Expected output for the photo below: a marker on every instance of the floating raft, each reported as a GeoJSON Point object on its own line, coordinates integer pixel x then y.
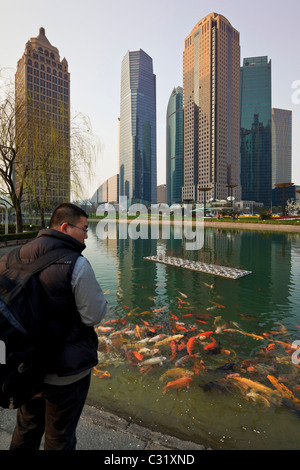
{"type": "Point", "coordinates": [223, 271]}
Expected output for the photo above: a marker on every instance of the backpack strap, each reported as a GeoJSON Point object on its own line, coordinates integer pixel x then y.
{"type": "Point", "coordinates": [14, 261]}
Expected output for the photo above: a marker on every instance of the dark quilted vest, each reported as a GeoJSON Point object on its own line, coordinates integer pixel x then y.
{"type": "Point", "coordinates": [72, 345]}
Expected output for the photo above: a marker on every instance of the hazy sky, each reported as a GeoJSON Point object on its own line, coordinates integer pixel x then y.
{"type": "Point", "coordinates": [94, 36]}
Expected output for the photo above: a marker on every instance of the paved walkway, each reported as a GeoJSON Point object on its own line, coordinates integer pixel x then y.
{"type": "Point", "coordinates": [101, 430]}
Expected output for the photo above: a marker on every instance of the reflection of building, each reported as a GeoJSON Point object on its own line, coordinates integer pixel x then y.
{"type": "Point", "coordinates": [211, 109]}
{"type": "Point", "coordinates": [138, 129]}
{"type": "Point", "coordinates": [174, 138]}
{"type": "Point", "coordinates": [290, 193]}
{"type": "Point", "coordinates": [108, 191]}
{"type": "Point", "coordinates": [281, 146]}
{"type": "Point", "coordinates": [256, 147]}
{"type": "Point", "coordinates": [42, 85]}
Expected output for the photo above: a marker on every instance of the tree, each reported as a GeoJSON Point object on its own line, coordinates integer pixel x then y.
{"type": "Point", "coordinates": [10, 149]}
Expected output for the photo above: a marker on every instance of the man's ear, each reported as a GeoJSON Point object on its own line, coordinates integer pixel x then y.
{"type": "Point", "coordinates": [63, 227]}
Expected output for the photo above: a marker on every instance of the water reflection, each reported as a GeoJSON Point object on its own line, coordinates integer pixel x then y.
{"type": "Point", "coordinates": [257, 304]}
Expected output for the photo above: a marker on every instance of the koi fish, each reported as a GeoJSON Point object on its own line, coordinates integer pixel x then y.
{"type": "Point", "coordinates": [103, 329]}
{"type": "Point", "coordinates": [168, 340]}
{"type": "Point", "coordinates": [173, 350]}
{"type": "Point", "coordinates": [179, 383]}
{"type": "Point", "coordinates": [190, 344]}
{"type": "Point", "coordinates": [211, 345]}
{"type": "Point", "coordinates": [176, 373]}
{"type": "Point", "coordinates": [103, 343]}
{"type": "Point", "coordinates": [208, 285]}
{"type": "Point", "coordinates": [217, 305]}
{"type": "Point", "coordinates": [159, 309]}
{"type": "Point", "coordinates": [254, 385]}
{"type": "Point", "coordinates": [154, 360]}
{"type": "Point", "coordinates": [232, 330]}
{"type": "Point", "coordinates": [282, 389]}
{"type": "Point", "coordinates": [174, 316]}
{"type": "Point", "coordinates": [256, 397]}
{"type": "Point", "coordinates": [286, 345]}
{"type": "Point", "coordinates": [101, 374]}
{"type": "Point", "coordinates": [182, 294]}
{"type": "Point", "coordinates": [184, 359]}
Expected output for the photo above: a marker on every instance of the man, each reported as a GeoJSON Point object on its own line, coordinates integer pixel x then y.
{"type": "Point", "coordinates": [74, 305]}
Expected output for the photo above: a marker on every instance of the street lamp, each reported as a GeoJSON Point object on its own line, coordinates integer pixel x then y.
{"type": "Point", "coordinates": [204, 190]}
{"type": "Point", "coordinates": [283, 186]}
{"type": "Point", "coordinates": [230, 187]}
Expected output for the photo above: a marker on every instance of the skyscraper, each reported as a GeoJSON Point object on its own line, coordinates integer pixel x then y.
{"type": "Point", "coordinates": [138, 129]}
{"type": "Point", "coordinates": [42, 85]}
{"type": "Point", "coordinates": [281, 146]}
{"type": "Point", "coordinates": [256, 144]}
{"type": "Point", "coordinates": [174, 150]}
{"type": "Point", "coordinates": [211, 110]}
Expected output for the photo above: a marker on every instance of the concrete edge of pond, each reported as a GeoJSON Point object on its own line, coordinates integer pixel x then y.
{"type": "Point", "coordinates": [102, 430]}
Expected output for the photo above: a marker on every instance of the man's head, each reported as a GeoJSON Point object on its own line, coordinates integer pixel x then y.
{"type": "Point", "coordinates": [71, 220]}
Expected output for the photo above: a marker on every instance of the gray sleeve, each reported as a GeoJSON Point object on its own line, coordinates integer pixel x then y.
{"type": "Point", "coordinates": [89, 298]}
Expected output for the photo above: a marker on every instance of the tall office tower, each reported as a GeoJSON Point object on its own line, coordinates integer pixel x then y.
{"type": "Point", "coordinates": [138, 129]}
{"type": "Point", "coordinates": [281, 146]}
{"type": "Point", "coordinates": [256, 145]}
{"type": "Point", "coordinates": [174, 150]}
{"type": "Point", "coordinates": [211, 64]}
{"type": "Point", "coordinates": [42, 86]}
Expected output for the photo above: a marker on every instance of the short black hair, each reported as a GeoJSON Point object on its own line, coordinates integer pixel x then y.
{"type": "Point", "coordinates": [66, 212]}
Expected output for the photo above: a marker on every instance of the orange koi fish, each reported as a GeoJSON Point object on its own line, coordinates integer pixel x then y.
{"type": "Point", "coordinates": [205, 334]}
{"type": "Point", "coordinates": [110, 322]}
{"type": "Point", "coordinates": [173, 350]}
{"type": "Point", "coordinates": [190, 344]}
{"type": "Point", "coordinates": [179, 383]}
{"type": "Point", "coordinates": [174, 316]}
{"type": "Point", "coordinates": [100, 374]}
{"type": "Point", "coordinates": [159, 309]}
{"type": "Point", "coordinates": [217, 305]}
{"type": "Point", "coordinates": [211, 345]}
{"type": "Point", "coordinates": [285, 345]}
{"type": "Point", "coordinates": [103, 329]}
{"type": "Point", "coordinates": [282, 389]}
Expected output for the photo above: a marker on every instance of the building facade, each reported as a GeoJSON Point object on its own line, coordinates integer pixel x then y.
{"type": "Point", "coordinates": [137, 147]}
{"type": "Point", "coordinates": [42, 90]}
{"type": "Point", "coordinates": [107, 192]}
{"type": "Point", "coordinates": [256, 142]}
{"type": "Point", "coordinates": [281, 146]}
{"type": "Point", "coordinates": [174, 147]}
{"type": "Point", "coordinates": [211, 64]}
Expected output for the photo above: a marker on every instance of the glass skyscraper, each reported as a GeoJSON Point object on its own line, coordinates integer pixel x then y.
{"type": "Point", "coordinates": [137, 145]}
{"type": "Point", "coordinates": [256, 142]}
{"type": "Point", "coordinates": [174, 150]}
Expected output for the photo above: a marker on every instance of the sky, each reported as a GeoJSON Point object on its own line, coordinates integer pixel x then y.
{"type": "Point", "coordinates": [95, 35]}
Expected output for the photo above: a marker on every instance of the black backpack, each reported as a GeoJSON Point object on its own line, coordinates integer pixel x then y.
{"type": "Point", "coordinates": [22, 328]}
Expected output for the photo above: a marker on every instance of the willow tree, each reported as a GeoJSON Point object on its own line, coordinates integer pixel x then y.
{"type": "Point", "coordinates": [61, 157]}
{"type": "Point", "coordinates": [10, 151]}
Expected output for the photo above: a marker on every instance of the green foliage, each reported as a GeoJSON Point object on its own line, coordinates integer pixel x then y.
{"type": "Point", "coordinates": [265, 215]}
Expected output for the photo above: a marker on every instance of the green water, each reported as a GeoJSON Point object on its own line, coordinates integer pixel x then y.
{"type": "Point", "coordinates": [265, 301]}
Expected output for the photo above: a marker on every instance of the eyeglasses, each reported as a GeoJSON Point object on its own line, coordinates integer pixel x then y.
{"type": "Point", "coordinates": [83, 229]}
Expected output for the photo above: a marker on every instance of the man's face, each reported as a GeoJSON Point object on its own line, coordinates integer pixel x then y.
{"type": "Point", "coordinates": [78, 230]}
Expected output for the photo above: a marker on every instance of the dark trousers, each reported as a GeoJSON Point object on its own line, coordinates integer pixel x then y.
{"type": "Point", "coordinates": [55, 412]}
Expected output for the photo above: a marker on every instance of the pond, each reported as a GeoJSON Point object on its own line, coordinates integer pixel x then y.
{"type": "Point", "coordinates": [239, 382]}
